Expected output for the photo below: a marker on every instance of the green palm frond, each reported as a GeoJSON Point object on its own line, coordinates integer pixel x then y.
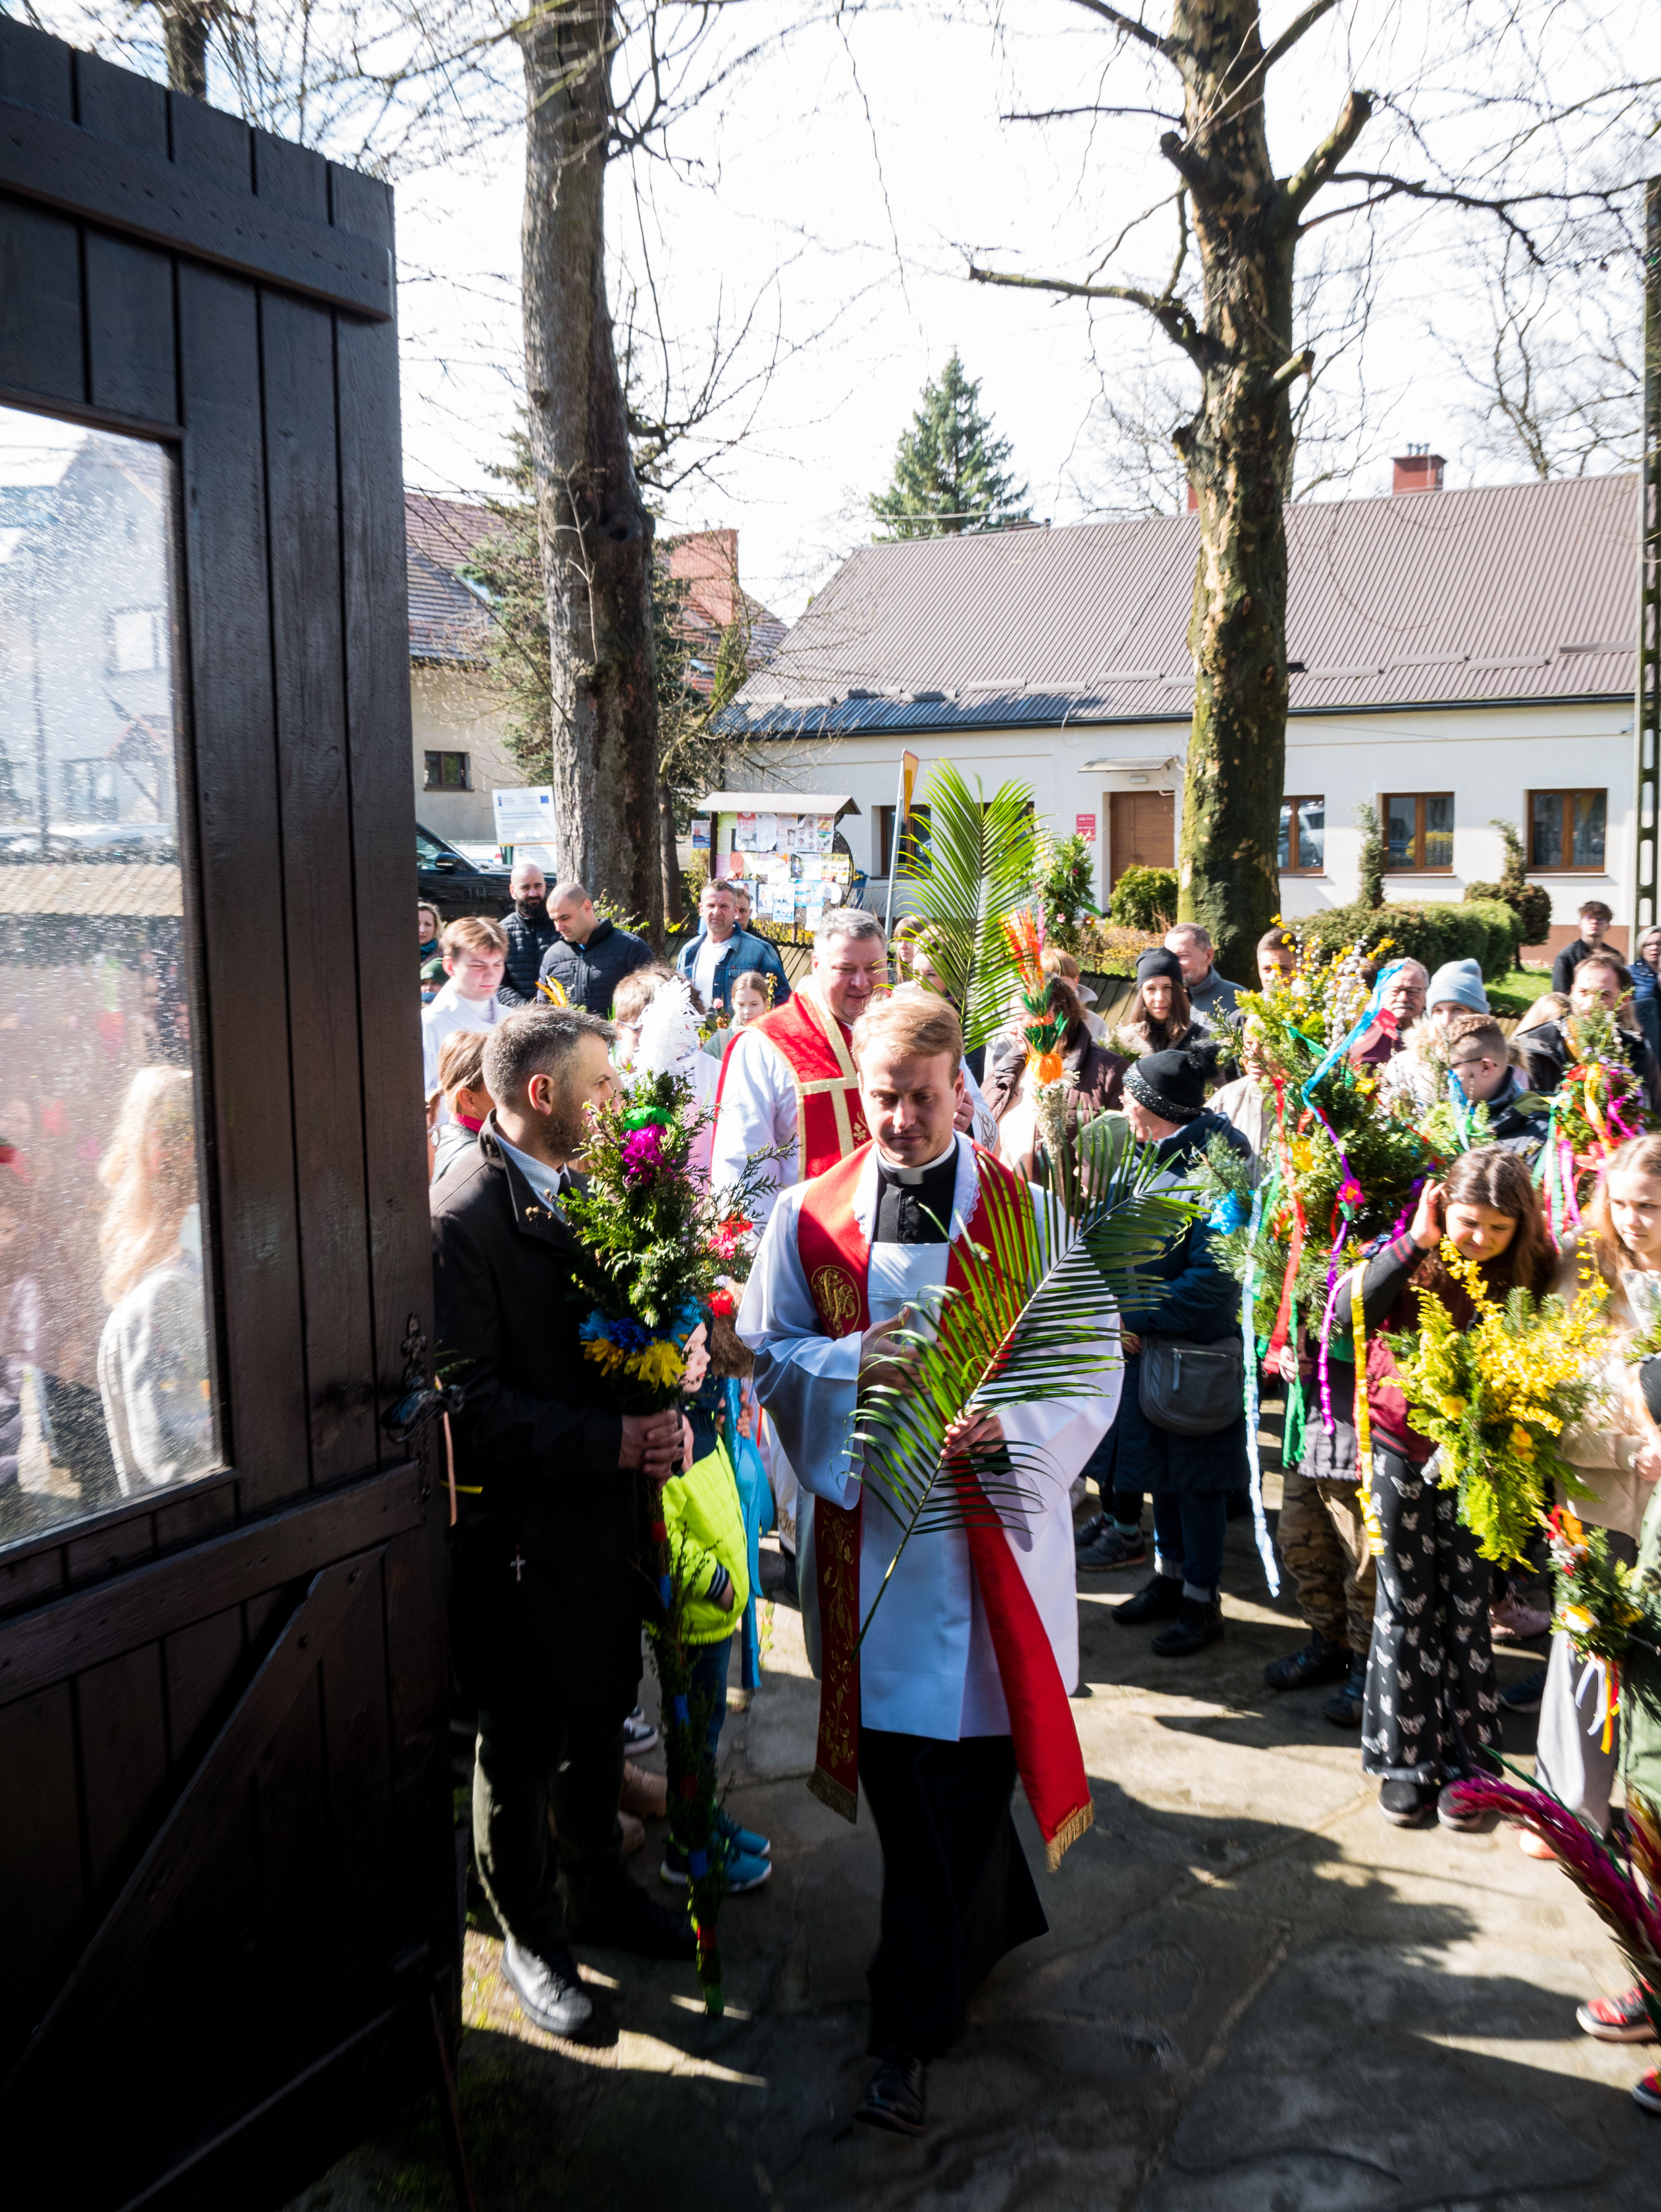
{"type": "Point", "coordinates": [977, 866]}
{"type": "Point", "coordinates": [1035, 1321]}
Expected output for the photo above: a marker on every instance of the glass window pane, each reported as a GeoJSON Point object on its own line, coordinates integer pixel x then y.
{"type": "Point", "coordinates": [1311, 834]}
{"type": "Point", "coordinates": [1587, 851]}
{"type": "Point", "coordinates": [1401, 828]}
{"type": "Point", "coordinates": [1283, 845]}
{"type": "Point", "coordinates": [1546, 830]}
{"type": "Point", "coordinates": [1438, 830]}
{"type": "Point", "coordinates": [105, 1388]}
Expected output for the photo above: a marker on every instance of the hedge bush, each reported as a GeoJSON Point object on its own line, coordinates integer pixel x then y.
{"type": "Point", "coordinates": [1144, 899]}
{"type": "Point", "coordinates": [1486, 931]}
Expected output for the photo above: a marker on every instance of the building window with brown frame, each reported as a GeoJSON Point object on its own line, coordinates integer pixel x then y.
{"type": "Point", "coordinates": [1567, 831]}
{"type": "Point", "coordinates": [913, 845]}
{"type": "Point", "coordinates": [1418, 829]}
{"type": "Point", "coordinates": [449, 772]}
{"type": "Point", "coordinates": [1303, 843]}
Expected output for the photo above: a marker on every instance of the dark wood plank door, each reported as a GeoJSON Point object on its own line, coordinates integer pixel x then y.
{"type": "Point", "coordinates": [227, 1859]}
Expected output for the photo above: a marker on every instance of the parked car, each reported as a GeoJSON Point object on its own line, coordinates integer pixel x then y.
{"type": "Point", "coordinates": [448, 879]}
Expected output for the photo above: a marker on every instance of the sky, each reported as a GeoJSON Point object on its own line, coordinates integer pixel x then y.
{"type": "Point", "coordinates": [833, 192]}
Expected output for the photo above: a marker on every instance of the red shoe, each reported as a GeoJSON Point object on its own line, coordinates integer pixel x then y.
{"type": "Point", "coordinates": [1647, 2092]}
{"type": "Point", "coordinates": [1618, 2020]}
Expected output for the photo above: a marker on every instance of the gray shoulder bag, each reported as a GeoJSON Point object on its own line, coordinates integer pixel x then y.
{"type": "Point", "coordinates": [1191, 1389]}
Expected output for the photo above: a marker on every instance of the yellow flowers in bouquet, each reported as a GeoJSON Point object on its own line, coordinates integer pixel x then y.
{"type": "Point", "coordinates": [1494, 1398]}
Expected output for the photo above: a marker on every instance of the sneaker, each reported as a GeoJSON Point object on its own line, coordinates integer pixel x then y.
{"type": "Point", "coordinates": [1617, 2020]}
{"type": "Point", "coordinates": [742, 1870]}
{"type": "Point", "coordinates": [897, 2098]}
{"type": "Point", "coordinates": [1159, 1598]}
{"type": "Point", "coordinates": [1406, 1804]}
{"type": "Point", "coordinates": [741, 1839]}
{"type": "Point", "coordinates": [1111, 1548]}
{"type": "Point", "coordinates": [1199, 1621]}
{"type": "Point", "coordinates": [1088, 1531]}
{"type": "Point", "coordinates": [1344, 1707]}
{"type": "Point", "coordinates": [1524, 1697]}
{"type": "Point", "coordinates": [646, 1796]}
{"type": "Point", "coordinates": [638, 1733]}
{"type": "Point", "coordinates": [1317, 1661]}
{"type": "Point", "coordinates": [1510, 1621]}
{"type": "Point", "coordinates": [548, 1988]}
{"type": "Point", "coordinates": [1453, 1812]}
{"type": "Point", "coordinates": [1647, 2092]}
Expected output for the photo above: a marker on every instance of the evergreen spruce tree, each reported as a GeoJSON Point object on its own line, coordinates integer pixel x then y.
{"type": "Point", "coordinates": [949, 468]}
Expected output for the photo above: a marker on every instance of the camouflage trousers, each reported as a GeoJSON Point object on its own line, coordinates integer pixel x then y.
{"type": "Point", "coordinates": [1431, 1698]}
{"type": "Point", "coordinates": [1325, 1546]}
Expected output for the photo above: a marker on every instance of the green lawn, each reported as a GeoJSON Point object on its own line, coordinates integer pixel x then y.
{"type": "Point", "coordinates": [1513, 997]}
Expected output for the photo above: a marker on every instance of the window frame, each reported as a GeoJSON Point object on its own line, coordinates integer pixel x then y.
{"type": "Point", "coordinates": [1290, 804]}
{"type": "Point", "coordinates": [441, 755]}
{"type": "Point", "coordinates": [887, 823]}
{"type": "Point", "coordinates": [1418, 865]}
{"type": "Point", "coordinates": [1567, 792]}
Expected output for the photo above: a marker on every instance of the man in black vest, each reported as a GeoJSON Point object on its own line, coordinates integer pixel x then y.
{"type": "Point", "coordinates": [549, 1589]}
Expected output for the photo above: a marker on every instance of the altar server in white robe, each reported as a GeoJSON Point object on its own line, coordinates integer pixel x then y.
{"type": "Point", "coordinates": [963, 1678]}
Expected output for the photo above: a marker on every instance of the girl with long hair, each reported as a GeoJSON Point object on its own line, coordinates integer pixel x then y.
{"type": "Point", "coordinates": [1160, 1018]}
{"type": "Point", "coordinates": [1431, 1713]}
{"type": "Point", "coordinates": [153, 1354]}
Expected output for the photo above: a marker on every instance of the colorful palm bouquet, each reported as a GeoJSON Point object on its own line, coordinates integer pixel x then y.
{"type": "Point", "coordinates": [1496, 1398]}
{"type": "Point", "coordinates": [1603, 1605]}
{"type": "Point", "coordinates": [1618, 1876]}
{"type": "Point", "coordinates": [1597, 1106]}
{"type": "Point", "coordinates": [653, 1252]}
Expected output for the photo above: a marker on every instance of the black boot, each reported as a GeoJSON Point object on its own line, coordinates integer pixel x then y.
{"type": "Point", "coordinates": [1159, 1598]}
{"type": "Point", "coordinates": [1199, 1621]}
{"type": "Point", "coordinates": [1343, 1708]}
{"type": "Point", "coordinates": [897, 2098]}
{"type": "Point", "coordinates": [1317, 1661]}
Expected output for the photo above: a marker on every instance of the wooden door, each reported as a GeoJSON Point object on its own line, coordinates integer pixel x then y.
{"type": "Point", "coordinates": [1142, 829]}
{"type": "Point", "coordinates": [228, 1892]}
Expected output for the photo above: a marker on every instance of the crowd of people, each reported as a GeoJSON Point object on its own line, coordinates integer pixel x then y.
{"type": "Point", "coordinates": [853, 1091]}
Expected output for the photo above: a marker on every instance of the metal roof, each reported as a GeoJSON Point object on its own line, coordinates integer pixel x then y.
{"type": "Point", "coordinates": [143, 887]}
{"type": "Point", "coordinates": [1511, 592]}
{"type": "Point", "coordinates": [776, 802]}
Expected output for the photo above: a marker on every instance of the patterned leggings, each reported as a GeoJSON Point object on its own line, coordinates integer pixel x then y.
{"type": "Point", "coordinates": [1431, 1694]}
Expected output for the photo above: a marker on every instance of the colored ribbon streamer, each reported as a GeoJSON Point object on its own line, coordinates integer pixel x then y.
{"type": "Point", "coordinates": [1249, 1333]}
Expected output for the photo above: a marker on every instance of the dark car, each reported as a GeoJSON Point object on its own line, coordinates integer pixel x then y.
{"type": "Point", "coordinates": [455, 885]}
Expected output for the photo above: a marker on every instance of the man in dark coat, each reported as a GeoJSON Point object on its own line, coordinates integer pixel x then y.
{"type": "Point", "coordinates": [1188, 1295]}
{"type": "Point", "coordinates": [590, 956]}
{"type": "Point", "coordinates": [548, 1589]}
{"type": "Point", "coordinates": [1600, 980]}
{"type": "Point", "coordinates": [530, 932]}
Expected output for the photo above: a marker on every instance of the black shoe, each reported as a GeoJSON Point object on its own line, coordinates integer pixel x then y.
{"type": "Point", "coordinates": [1406, 1804]}
{"type": "Point", "coordinates": [1470, 1819]}
{"type": "Point", "coordinates": [548, 1986]}
{"type": "Point", "coordinates": [1345, 1706]}
{"type": "Point", "coordinates": [1111, 1550]}
{"type": "Point", "coordinates": [1199, 1621]}
{"type": "Point", "coordinates": [1524, 1697]}
{"type": "Point", "coordinates": [631, 1921]}
{"type": "Point", "coordinates": [1088, 1531]}
{"type": "Point", "coordinates": [1160, 1597]}
{"type": "Point", "coordinates": [1317, 1661]}
{"type": "Point", "coordinates": [897, 2098]}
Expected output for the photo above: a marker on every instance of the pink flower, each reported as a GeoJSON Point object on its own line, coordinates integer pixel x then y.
{"type": "Point", "coordinates": [642, 1153]}
{"type": "Point", "coordinates": [1350, 1193]}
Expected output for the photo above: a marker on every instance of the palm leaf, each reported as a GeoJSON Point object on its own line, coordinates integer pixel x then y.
{"type": "Point", "coordinates": [1036, 1321]}
{"type": "Point", "coordinates": [977, 866]}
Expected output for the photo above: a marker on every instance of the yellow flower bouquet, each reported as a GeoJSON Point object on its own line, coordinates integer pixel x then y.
{"type": "Point", "coordinates": [1496, 1397]}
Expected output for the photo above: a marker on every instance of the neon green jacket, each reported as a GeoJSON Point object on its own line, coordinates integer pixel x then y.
{"type": "Point", "coordinates": [705, 1521]}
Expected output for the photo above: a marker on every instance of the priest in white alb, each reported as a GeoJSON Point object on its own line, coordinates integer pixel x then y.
{"type": "Point", "coordinates": [963, 1681]}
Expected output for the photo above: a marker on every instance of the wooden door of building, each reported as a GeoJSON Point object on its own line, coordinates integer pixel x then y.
{"type": "Point", "coordinates": [1142, 831]}
{"type": "Point", "coordinates": [227, 1897]}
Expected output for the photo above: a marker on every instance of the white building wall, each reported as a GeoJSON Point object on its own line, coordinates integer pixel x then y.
{"type": "Point", "coordinates": [452, 710]}
{"type": "Point", "coordinates": [1490, 758]}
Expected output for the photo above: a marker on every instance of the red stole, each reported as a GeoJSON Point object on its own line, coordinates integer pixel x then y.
{"type": "Point", "coordinates": [837, 1260]}
{"type": "Point", "coordinates": [830, 1121]}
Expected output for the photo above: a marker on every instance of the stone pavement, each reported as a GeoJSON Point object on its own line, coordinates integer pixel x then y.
{"type": "Point", "coordinates": [1254, 1996]}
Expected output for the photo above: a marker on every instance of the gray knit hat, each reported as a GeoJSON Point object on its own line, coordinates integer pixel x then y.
{"type": "Point", "coordinates": [1462, 982]}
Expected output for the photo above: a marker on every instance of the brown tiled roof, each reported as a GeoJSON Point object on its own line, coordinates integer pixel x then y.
{"type": "Point", "coordinates": [1514, 592]}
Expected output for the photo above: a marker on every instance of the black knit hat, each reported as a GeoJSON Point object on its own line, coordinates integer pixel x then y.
{"type": "Point", "coordinates": [1649, 1381]}
{"type": "Point", "coordinates": [1170, 1083]}
{"type": "Point", "coordinates": [1159, 961]}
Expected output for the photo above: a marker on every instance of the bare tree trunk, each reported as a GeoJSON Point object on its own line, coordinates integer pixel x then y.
{"type": "Point", "coordinates": [185, 27]}
{"type": "Point", "coordinates": [1238, 453]}
{"type": "Point", "coordinates": [595, 530]}
{"type": "Point", "coordinates": [674, 909]}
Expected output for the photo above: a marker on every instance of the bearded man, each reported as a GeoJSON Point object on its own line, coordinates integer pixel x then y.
{"type": "Point", "coordinates": [531, 931]}
{"type": "Point", "coordinates": [963, 1678]}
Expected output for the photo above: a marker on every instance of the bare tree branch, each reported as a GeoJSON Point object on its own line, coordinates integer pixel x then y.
{"type": "Point", "coordinates": [1128, 24]}
{"type": "Point", "coordinates": [1319, 171]}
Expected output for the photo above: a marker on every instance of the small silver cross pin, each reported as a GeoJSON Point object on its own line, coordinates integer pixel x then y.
{"type": "Point", "coordinates": [518, 1566]}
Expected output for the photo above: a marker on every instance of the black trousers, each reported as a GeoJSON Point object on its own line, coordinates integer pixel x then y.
{"type": "Point", "coordinates": [529, 1764]}
{"type": "Point", "coordinates": [1431, 1697]}
{"type": "Point", "coordinates": [956, 1891]}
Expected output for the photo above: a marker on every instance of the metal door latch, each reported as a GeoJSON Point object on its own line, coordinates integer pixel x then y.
{"type": "Point", "coordinates": [422, 1401]}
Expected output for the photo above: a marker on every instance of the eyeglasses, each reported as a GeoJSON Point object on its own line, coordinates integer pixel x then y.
{"type": "Point", "coordinates": [1481, 1061]}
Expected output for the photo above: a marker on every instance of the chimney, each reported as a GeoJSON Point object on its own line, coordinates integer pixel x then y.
{"type": "Point", "coordinates": [1193, 501]}
{"type": "Point", "coordinates": [1418, 470]}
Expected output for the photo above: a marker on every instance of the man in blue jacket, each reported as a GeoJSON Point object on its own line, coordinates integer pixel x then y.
{"type": "Point", "coordinates": [722, 951]}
